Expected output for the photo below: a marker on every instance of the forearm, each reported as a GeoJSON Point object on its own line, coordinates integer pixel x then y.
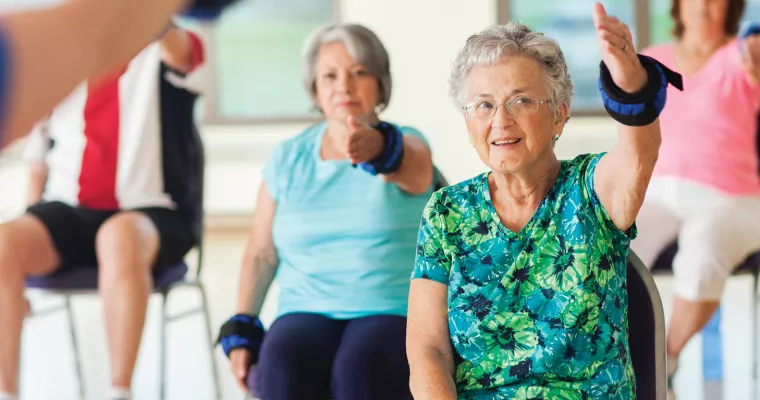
{"type": "Point", "coordinates": [415, 175]}
{"type": "Point", "coordinates": [431, 376]}
{"type": "Point", "coordinates": [256, 276]}
{"type": "Point", "coordinates": [640, 146]}
{"type": "Point", "coordinates": [54, 49]}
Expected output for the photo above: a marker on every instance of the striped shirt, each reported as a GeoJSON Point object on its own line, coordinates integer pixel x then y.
{"type": "Point", "coordinates": [122, 141]}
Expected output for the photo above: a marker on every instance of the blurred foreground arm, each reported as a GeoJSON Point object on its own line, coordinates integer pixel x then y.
{"type": "Point", "coordinates": [47, 52]}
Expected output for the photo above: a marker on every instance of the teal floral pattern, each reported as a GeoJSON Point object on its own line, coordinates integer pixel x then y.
{"type": "Point", "coordinates": [537, 314]}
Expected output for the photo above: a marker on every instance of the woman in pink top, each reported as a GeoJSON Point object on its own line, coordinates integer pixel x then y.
{"type": "Point", "coordinates": [705, 189]}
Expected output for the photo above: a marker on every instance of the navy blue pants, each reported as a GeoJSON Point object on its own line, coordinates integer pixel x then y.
{"type": "Point", "coordinates": [312, 357]}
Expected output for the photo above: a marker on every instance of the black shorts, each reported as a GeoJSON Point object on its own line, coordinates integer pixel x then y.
{"type": "Point", "coordinates": [74, 229]}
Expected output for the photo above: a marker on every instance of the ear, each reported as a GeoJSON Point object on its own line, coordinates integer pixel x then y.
{"type": "Point", "coordinates": [563, 112]}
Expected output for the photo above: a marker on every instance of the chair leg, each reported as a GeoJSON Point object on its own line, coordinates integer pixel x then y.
{"type": "Point", "coordinates": [211, 344]}
{"type": "Point", "coordinates": [74, 346]}
{"type": "Point", "coordinates": [162, 347]}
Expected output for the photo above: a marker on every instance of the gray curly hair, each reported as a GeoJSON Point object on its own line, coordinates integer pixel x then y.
{"type": "Point", "coordinates": [491, 45]}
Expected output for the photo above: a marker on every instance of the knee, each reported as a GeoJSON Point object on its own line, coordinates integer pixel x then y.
{"type": "Point", "coordinates": [283, 366]}
{"type": "Point", "coordinates": [124, 236]}
{"type": "Point", "coordinates": [356, 367]}
{"type": "Point", "coordinates": [8, 245]}
{"type": "Point", "coordinates": [701, 274]}
{"type": "Point", "coordinates": [14, 252]}
{"type": "Point", "coordinates": [368, 365]}
{"type": "Point", "coordinates": [281, 356]}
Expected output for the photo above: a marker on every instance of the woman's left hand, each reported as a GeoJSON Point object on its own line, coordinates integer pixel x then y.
{"type": "Point", "coordinates": [363, 143]}
{"type": "Point", "coordinates": [618, 52]}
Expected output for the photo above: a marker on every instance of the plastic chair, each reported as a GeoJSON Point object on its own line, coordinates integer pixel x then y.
{"type": "Point", "coordinates": [84, 281]}
{"type": "Point", "coordinates": [646, 332]}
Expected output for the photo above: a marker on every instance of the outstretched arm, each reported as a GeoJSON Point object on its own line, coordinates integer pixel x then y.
{"type": "Point", "coordinates": [46, 53]}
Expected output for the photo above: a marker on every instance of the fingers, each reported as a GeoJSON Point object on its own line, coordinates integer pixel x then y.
{"type": "Point", "coordinates": [599, 13]}
{"type": "Point", "coordinates": [613, 33]}
{"type": "Point", "coordinates": [239, 360]}
{"type": "Point", "coordinates": [352, 124]}
{"type": "Point", "coordinates": [614, 39]}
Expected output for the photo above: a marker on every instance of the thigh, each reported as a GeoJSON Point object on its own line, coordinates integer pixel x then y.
{"type": "Point", "coordinates": [371, 362]}
{"type": "Point", "coordinates": [296, 357]}
{"type": "Point", "coordinates": [71, 230]}
{"type": "Point", "coordinates": [175, 235]}
{"type": "Point", "coordinates": [721, 237]}
{"type": "Point", "coordinates": [26, 244]}
{"type": "Point", "coordinates": [658, 226]}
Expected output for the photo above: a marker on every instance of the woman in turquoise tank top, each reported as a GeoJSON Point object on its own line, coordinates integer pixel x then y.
{"type": "Point", "coordinates": [336, 223]}
{"type": "Point", "coordinates": [519, 288]}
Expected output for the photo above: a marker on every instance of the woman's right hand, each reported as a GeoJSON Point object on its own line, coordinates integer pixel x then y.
{"type": "Point", "coordinates": [239, 364]}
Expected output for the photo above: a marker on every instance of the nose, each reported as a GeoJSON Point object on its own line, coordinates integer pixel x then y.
{"type": "Point", "coordinates": [345, 83]}
{"type": "Point", "coordinates": [502, 118]}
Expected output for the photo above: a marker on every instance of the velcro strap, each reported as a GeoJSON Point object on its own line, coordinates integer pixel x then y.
{"type": "Point", "coordinates": [643, 107]}
{"type": "Point", "coordinates": [392, 156]}
{"type": "Point", "coordinates": [752, 29]}
{"type": "Point", "coordinates": [242, 331]}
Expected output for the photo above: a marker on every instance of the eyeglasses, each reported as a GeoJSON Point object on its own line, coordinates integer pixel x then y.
{"type": "Point", "coordinates": [516, 107]}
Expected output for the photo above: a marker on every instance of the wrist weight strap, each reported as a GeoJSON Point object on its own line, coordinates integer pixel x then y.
{"type": "Point", "coordinates": [242, 331]}
{"type": "Point", "coordinates": [643, 107]}
{"type": "Point", "coordinates": [392, 156]}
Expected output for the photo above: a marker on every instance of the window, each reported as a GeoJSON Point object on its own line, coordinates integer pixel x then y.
{"type": "Point", "coordinates": [257, 60]}
{"type": "Point", "coordinates": [570, 23]}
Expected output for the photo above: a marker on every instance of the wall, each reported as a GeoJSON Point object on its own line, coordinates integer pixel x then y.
{"type": "Point", "coordinates": [422, 37]}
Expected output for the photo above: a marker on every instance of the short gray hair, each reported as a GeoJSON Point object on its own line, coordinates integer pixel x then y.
{"type": "Point", "coordinates": [362, 44]}
{"type": "Point", "coordinates": [492, 45]}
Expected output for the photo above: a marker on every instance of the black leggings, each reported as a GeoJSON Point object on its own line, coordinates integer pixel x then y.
{"type": "Point", "coordinates": [312, 357]}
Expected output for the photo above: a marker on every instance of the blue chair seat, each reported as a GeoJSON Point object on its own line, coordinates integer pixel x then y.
{"type": "Point", "coordinates": [664, 263]}
{"type": "Point", "coordinates": [86, 278]}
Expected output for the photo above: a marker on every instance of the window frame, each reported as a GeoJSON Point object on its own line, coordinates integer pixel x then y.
{"type": "Point", "coordinates": [211, 111]}
{"type": "Point", "coordinates": [643, 37]}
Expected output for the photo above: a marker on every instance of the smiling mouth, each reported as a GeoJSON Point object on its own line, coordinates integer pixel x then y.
{"type": "Point", "coordinates": [505, 142]}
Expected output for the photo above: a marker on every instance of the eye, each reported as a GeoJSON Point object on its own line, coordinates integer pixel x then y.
{"type": "Point", "coordinates": [329, 76]}
{"type": "Point", "coordinates": [484, 105]}
{"type": "Point", "coordinates": [523, 101]}
{"type": "Point", "coordinates": [361, 72]}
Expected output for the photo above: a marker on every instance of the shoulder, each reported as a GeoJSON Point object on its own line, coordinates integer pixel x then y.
{"type": "Point", "coordinates": [577, 175]}
{"type": "Point", "coordinates": [456, 201]}
{"type": "Point", "coordinates": [582, 163]}
{"type": "Point", "coordinates": [298, 144]}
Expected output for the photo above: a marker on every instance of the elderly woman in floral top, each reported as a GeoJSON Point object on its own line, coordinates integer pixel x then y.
{"type": "Point", "coordinates": [519, 289]}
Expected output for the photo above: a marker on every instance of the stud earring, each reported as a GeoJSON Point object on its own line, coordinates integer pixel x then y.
{"type": "Point", "coordinates": [556, 137]}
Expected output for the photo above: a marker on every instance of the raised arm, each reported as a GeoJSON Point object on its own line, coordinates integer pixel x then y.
{"type": "Point", "coordinates": [415, 175]}
{"type": "Point", "coordinates": [403, 159]}
{"type": "Point", "coordinates": [623, 174]}
{"type": "Point", "coordinates": [428, 344]}
{"type": "Point", "coordinates": [47, 52]}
